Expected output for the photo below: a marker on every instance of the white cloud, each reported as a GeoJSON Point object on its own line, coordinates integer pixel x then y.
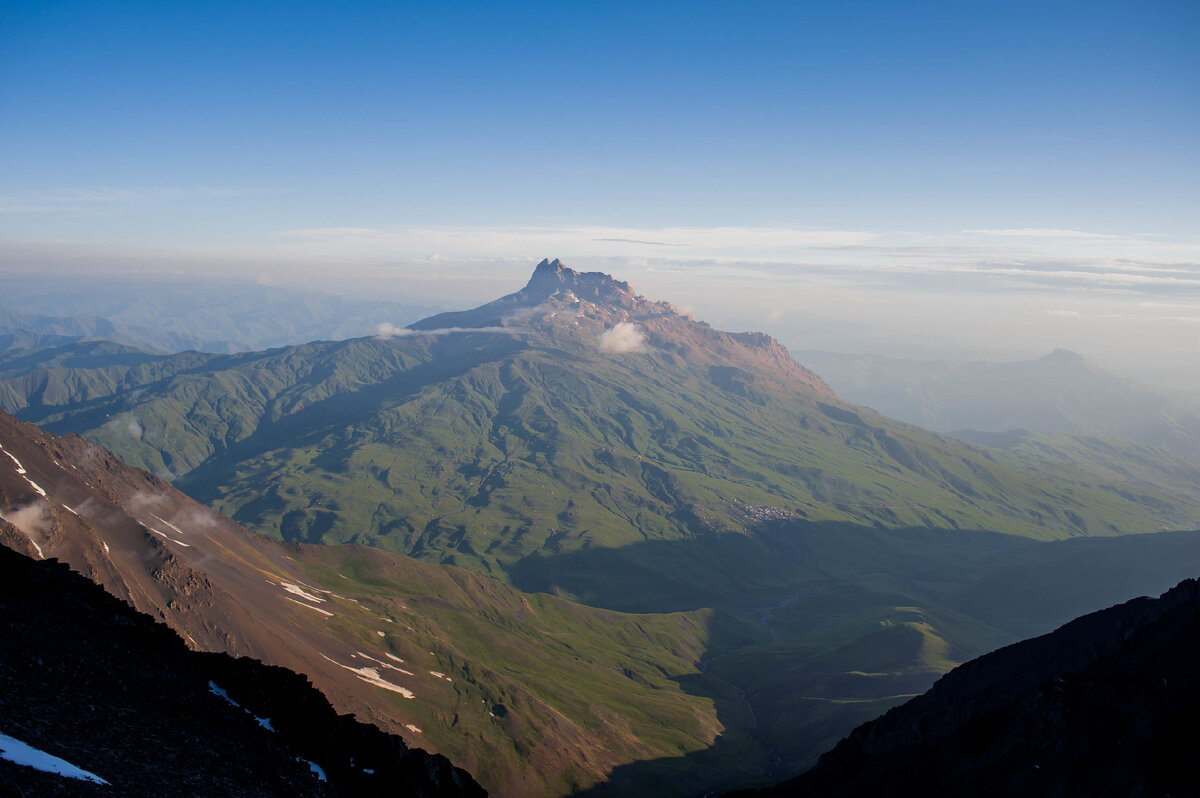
{"type": "Point", "coordinates": [622, 338]}
{"type": "Point", "coordinates": [388, 330]}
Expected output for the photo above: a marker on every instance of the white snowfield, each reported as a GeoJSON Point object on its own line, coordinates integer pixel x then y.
{"type": "Point", "coordinates": [19, 753]}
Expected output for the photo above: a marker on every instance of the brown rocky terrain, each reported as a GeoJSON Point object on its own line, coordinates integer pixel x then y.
{"type": "Point", "coordinates": [87, 679]}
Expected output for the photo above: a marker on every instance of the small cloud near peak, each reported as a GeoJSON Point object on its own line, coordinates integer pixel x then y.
{"type": "Point", "coordinates": [621, 338]}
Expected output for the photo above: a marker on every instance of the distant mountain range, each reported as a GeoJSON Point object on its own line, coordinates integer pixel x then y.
{"type": "Point", "coordinates": [176, 315]}
{"type": "Point", "coordinates": [1059, 393]}
{"type": "Point", "coordinates": [570, 415]}
{"type": "Point", "coordinates": [798, 564]}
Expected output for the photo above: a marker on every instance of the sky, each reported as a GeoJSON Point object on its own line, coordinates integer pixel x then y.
{"type": "Point", "coordinates": [916, 179]}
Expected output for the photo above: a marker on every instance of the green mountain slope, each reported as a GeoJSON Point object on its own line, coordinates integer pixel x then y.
{"type": "Point", "coordinates": [802, 631]}
{"type": "Point", "coordinates": [571, 415]}
{"type": "Point", "coordinates": [538, 696]}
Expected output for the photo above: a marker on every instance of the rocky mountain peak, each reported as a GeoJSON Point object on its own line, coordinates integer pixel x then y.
{"type": "Point", "coordinates": [552, 277]}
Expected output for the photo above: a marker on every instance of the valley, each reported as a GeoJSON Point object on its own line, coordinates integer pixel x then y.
{"type": "Point", "coordinates": [573, 539]}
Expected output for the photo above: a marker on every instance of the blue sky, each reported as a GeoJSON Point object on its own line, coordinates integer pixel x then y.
{"type": "Point", "coordinates": [293, 136]}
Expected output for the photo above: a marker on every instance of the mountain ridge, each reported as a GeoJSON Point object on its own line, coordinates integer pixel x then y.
{"type": "Point", "coordinates": [573, 424]}
{"type": "Point", "coordinates": [1101, 706]}
{"type": "Point", "coordinates": [75, 663]}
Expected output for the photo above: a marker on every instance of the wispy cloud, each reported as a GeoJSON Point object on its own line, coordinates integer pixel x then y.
{"type": "Point", "coordinates": [1043, 232]}
{"type": "Point", "coordinates": [636, 241]}
{"type": "Point", "coordinates": [388, 330]}
{"type": "Point", "coordinates": [496, 242]}
{"type": "Point", "coordinates": [84, 200]}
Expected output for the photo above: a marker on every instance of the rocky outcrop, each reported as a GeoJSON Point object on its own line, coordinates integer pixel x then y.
{"type": "Point", "coordinates": [86, 678]}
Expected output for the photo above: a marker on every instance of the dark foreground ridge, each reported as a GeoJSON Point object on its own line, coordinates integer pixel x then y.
{"type": "Point", "coordinates": [86, 678]}
{"type": "Point", "coordinates": [1106, 705]}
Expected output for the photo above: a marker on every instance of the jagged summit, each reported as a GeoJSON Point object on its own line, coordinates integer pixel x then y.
{"type": "Point", "coordinates": [551, 277]}
{"type": "Point", "coordinates": [551, 280]}
{"type": "Point", "coordinates": [569, 306]}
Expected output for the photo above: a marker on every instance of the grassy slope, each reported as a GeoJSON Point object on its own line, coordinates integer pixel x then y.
{"type": "Point", "coordinates": [482, 451]}
{"type": "Point", "coordinates": [542, 696]}
{"type": "Point", "coordinates": [638, 483]}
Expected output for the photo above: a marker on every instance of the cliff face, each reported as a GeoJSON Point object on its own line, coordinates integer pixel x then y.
{"type": "Point", "coordinates": [86, 678]}
{"type": "Point", "coordinates": [1105, 705]}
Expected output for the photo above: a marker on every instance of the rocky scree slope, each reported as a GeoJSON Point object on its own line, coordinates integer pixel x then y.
{"type": "Point", "coordinates": [88, 679]}
{"type": "Point", "coordinates": [533, 694]}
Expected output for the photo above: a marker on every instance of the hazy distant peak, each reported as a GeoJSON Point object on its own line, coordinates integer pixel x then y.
{"type": "Point", "coordinates": [1064, 356]}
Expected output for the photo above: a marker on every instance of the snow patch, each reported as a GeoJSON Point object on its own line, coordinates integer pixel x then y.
{"type": "Point", "coordinates": [70, 510]}
{"type": "Point", "coordinates": [385, 664]}
{"type": "Point", "coordinates": [296, 590]}
{"type": "Point", "coordinates": [371, 676]}
{"type": "Point", "coordinates": [20, 753]}
{"type": "Point", "coordinates": [315, 768]}
{"type": "Point", "coordinates": [20, 468]}
{"type": "Point", "coordinates": [413, 728]}
{"type": "Point", "coordinates": [168, 523]}
{"type": "Point", "coordinates": [381, 634]}
{"type": "Point", "coordinates": [167, 537]}
{"type": "Point", "coordinates": [217, 691]}
{"type": "Point", "coordinates": [441, 675]}
{"type": "Point", "coordinates": [265, 723]}
{"type": "Point", "coordinates": [309, 606]}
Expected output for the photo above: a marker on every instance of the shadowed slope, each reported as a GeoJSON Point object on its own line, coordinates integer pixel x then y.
{"type": "Point", "coordinates": [1105, 706]}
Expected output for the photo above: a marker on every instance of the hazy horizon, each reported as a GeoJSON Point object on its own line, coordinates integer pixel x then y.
{"type": "Point", "coordinates": [968, 182]}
